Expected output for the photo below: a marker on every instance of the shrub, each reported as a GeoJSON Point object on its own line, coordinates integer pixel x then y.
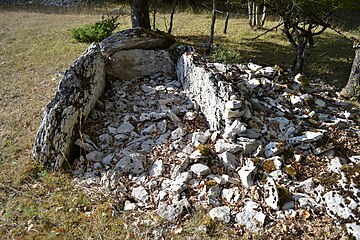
{"type": "Point", "coordinates": [95, 32]}
{"type": "Point", "coordinates": [225, 54]}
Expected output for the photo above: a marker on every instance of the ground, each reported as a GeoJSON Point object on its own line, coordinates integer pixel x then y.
{"type": "Point", "coordinates": [36, 48]}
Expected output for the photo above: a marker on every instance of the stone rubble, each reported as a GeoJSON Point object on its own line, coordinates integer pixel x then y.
{"type": "Point", "coordinates": [217, 173]}
{"type": "Point", "coordinates": [247, 143]}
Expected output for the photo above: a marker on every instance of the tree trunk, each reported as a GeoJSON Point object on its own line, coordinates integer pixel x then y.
{"type": "Point", "coordinates": [172, 17]}
{"type": "Point", "coordinates": [352, 89]}
{"type": "Point", "coordinates": [250, 12]}
{"type": "Point", "coordinates": [227, 17]}
{"type": "Point", "coordinates": [226, 22]}
{"type": "Point", "coordinates": [263, 16]}
{"type": "Point", "coordinates": [154, 19]}
{"type": "Point", "coordinates": [212, 28]}
{"type": "Point", "coordinates": [140, 14]}
{"type": "Point", "coordinates": [299, 61]}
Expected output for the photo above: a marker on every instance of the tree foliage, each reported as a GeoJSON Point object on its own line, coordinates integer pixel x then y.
{"type": "Point", "coordinates": [95, 32]}
{"type": "Point", "coordinates": [304, 19]}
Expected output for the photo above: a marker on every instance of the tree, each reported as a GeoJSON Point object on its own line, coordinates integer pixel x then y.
{"type": "Point", "coordinates": [257, 13]}
{"type": "Point", "coordinates": [140, 14]}
{"type": "Point", "coordinates": [172, 17]}
{"type": "Point", "coordinates": [212, 28]}
{"type": "Point", "coordinates": [352, 89]}
{"type": "Point", "coordinates": [305, 19]}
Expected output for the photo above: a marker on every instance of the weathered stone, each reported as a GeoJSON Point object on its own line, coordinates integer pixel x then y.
{"type": "Point", "coordinates": [214, 191]}
{"type": "Point", "coordinates": [222, 146]}
{"type": "Point", "coordinates": [95, 156]}
{"type": "Point", "coordinates": [228, 160]}
{"type": "Point", "coordinates": [125, 128]}
{"type": "Point", "coordinates": [174, 211]}
{"type": "Point", "coordinates": [133, 163]}
{"type": "Point", "coordinates": [247, 174]}
{"type": "Point", "coordinates": [136, 38]}
{"type": "Point", "coordinates": [353, 229]}
{"type": "Point", "coordinates": [196, 80]}
{"type": "Point", "coordinates": [83, 83]}
{"type": "Point", "coordinates": [157, 169]}
{"type": "Point", "coordinates": [140, 194]}
{"type": "Point", "coordinates": [129, 206]}
{"type": "Point", "coordinates": [249, 217]}
{"type": "Point", "coordinates": [271, 149]}
{"type": "Point", "coordinates": [228, 193]}
{"type": "Point", "coordinates": [220, 213]}
{"type": "Point", "coordinates": [199, 138]}
{"type": "Point", "coordinates": [336, 206]}
{"type": "Point", "coordinates": [249, 145]}
{"type": "Point", "coordinates": [234, 130]}
{"type": "Point", "coordinates": [129, 64]}
{"type": "Point", "coordinates": [108, 159]}
{"type": "Point", "coordinates": [271, 194]}
{"type": "Point", "coordinates": [200, 169]}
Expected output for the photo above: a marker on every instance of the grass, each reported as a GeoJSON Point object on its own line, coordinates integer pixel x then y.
{"type": "Point", "coordinates": [35, 48]}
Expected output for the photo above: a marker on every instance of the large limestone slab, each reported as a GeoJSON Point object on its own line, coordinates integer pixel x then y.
{"type": "Point", "coordinates": [78, 91]}
{"type": "Point", "coordinates": [206, 86]}
{"type": "Point", "coordinates": [129, 64]}
{"type": "Point", "coordinates": [136, 38]}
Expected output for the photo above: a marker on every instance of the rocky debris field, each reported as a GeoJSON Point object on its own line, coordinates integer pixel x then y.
{"type": "Point", "coordinates": [289, 150]}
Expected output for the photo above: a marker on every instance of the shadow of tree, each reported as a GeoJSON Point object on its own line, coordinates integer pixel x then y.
{"type": "Point", "coordinates": [330, 58]}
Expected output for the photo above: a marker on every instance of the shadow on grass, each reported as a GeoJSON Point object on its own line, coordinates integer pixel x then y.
{"type": "Point", "coordinates": [331, 57]}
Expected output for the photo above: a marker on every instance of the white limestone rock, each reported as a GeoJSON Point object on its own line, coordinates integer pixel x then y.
{"type": "Point", "coordinates": [174, 211]}
{"type": "Point", "coordinates": [271, 149]}
{"type": "Point", "coordinates": [157, 169]}
{"type": "Point", "coordinates": [183, 177]}
{"type": "Point", "coordinates": [335, 164]}
{"type": "Point", "coordinates": [234, 130]}
{"type": "Point", "coordinates": [178, 133]}
{"type": "Point", "coordinates": [250, 216]}
{"type": "Point", "coordinates": [228, 160]}
{"type": "Point", "coordinates": [249, 145]}
{"type": "Point", "coordinates": [247, 174]}
{"type": "Point", "coordinates": [82, 85]}
{"type": "Point", "coordinates": [94, 156]}
{"type": "Point", "coordinates": [222, 146]}
{"type": "Point", "coordinates": [353, 229]}
{"type": "Point", "coordinates": [129, 206]}
{"type": "Point", "coordinates": [336, 206]}
{"type": "Point", "coordinates": [135, 38]}
{"type": "Point", "coordinates": [125, 128]}
{"type": "Point", "coordinates": [200, 169]}
{"type": "Point", "coordinates": [196, 79]}
{"type": "Point", "coordinates": [140, 194]}
{"type": "Point", "coordinates": [134, 163]}
{"type": "Point", "coordinates": [271, 194]}
{"type": "Point", "coordinates": [220, 213]}
{"type": "Point", "coordinates": [199, 138]}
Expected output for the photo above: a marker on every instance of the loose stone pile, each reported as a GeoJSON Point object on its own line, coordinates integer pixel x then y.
{"type": "Point", "coordinates": [280, 146]}
{"type": "Point", "coordinates": [250, 144]}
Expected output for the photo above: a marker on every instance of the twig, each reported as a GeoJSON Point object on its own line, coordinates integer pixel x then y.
{"type": "Point", "coordinates": [15, 190]}
{"type": "Point", "coordinates": [351, 39]}
{"type": "Point", "coordinates": [268, 31]}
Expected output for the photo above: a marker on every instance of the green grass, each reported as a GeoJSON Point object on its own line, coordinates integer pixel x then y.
{"type": "Point", "coordinates": [34, 48]}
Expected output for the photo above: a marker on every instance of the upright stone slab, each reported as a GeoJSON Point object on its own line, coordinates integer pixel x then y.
{"type": "Point", "coordinates": [137, 52]}
{"type": "Point", "coordinates": [206, 86]}
{"type": "Point", "coordinates": [80, 88]}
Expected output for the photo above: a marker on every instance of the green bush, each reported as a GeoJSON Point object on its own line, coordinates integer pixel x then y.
{"type": "Point", "coordinates": [95, 32]}
{"type": "Point", "coordinates": [225, 54]}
